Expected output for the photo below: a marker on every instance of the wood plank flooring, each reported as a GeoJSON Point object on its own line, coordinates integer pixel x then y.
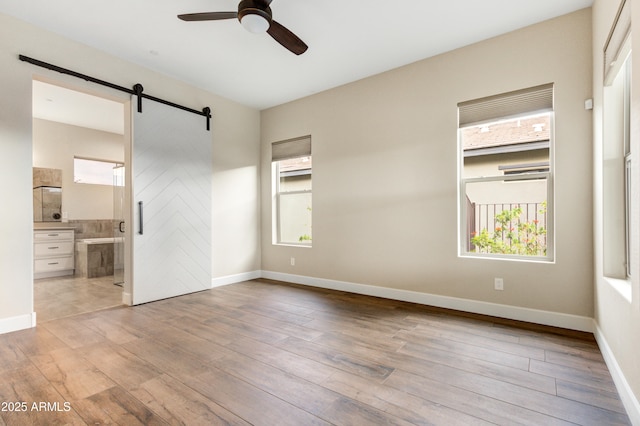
{"type": "Point", "coordinates": [267, 353]}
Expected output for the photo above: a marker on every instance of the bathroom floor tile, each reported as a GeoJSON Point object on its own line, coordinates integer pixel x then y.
{"type": "Point", "coordinates": [64, 296]}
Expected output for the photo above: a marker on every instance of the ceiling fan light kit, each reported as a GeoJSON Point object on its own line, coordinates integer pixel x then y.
{"type": "Point", "coordinates": [255, 23]}
{"type": "Point", "coordinates": [255, 16]}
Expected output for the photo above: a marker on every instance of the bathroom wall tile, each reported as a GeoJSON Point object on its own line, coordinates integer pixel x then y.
{"type": "Point", "coordinates": [97, 228]}
{"type": "Point", "coordinates": [47, 177]}
{"type": "Point", "coordinates": [94, 260]}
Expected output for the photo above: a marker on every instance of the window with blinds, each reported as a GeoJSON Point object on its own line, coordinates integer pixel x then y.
{"type": "Point", "coordinates": [292, 172]}
{"type": "Point", "coordinates": [617, 46]}
{"type": "Point", "coordinates": [505, 202]}
{"type": "Point", "coordinates": [618, 159]}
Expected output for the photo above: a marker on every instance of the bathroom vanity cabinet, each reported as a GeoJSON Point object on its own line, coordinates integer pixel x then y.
{"type": "Point", "coordinates": [53, 252]}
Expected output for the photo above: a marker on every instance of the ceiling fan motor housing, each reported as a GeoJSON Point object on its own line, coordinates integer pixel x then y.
{"type": "Point", "coordinates": [254, 7]}
{"type": "Point", "coordinates": [255, 16]}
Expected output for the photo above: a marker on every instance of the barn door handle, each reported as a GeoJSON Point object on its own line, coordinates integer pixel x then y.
{"type": "Point", "coordinates": [141, 223]}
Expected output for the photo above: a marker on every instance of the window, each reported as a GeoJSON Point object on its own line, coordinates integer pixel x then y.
{"type": "Point", "coordinates": [616, 151]}
{"type": "Point", "coordinates": [506, 190]}
{"type": "Point", "coordinates": [291, 161]}
{"type": "Point", "coordinates": [98, 172]}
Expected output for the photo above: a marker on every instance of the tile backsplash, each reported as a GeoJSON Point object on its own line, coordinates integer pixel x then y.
{"type": "Point", "coordinates": [98, 228]}
{"type": "Point", "coordinates": [47, 177]}
{"type": "Point", "coordinates": [92, 228]}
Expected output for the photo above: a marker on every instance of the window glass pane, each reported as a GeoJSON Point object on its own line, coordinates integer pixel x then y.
{"type": "Point", "coordinates": [93, 171]}
{"type": "Point", "coordinates": [504, 147]}
{"type": "Point", "coordinates": [628, 192]}
{"type": "Point", "coordinates": [295, 218]}
{"type": "Point", "coordinates": [506, 173]}
{"type": "Point", "coordinates": [616, 132]}
{"type": "Point", "coordinates": [507, 217]}
{"type": "Point", "coordinates": [295, 174]}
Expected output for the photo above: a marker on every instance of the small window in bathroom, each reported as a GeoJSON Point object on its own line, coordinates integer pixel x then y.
{"type": "Point", "coordinates": [97, 172]}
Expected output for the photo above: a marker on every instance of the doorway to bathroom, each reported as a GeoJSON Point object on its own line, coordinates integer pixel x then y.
{"type": "Point", "coordinates": [79, 135]}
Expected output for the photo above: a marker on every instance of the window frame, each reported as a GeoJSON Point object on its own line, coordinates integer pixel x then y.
{"type": "Point", "coordinates": [622, 145]}
{"type": "Point", "coordinates": [463, 220]}
{"type": "Point", "coordinates": [114, 165]}
{"type": "Point", "coordinates": [628, 163]}
{"type": "Point", "coordinates": [616, 57]}
{"type": "Point", "coordinates": [278, 197]}
{"type": "Point", "coordinates": [280, 151]}
{"type": "Point", "coordinates": [628, 183]}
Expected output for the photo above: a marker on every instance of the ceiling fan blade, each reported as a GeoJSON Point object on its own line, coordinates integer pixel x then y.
{"type": "Point", "coordinates": [287, 38]}
{"type": "Point", "coordinates": [208, 16]}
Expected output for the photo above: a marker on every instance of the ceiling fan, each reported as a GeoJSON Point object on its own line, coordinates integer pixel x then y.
{"type": "Point", "coordinates": [255, 16]}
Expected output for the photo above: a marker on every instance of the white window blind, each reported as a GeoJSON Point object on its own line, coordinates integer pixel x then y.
{"type": "Point", "coordinates": [616, 47]}
{"type": "Point", "coordinates": [506, 105]}
{"type": "Point", "coordinates": [291, 148]}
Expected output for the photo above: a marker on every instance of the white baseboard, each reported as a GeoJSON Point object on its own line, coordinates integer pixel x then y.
{"type": "Point", "coordinates": [236, 278]}
{"type": "Point", "coordinates": [21, 322]}
{"type": "Point", "coordinates": [555, 319]}
{"type": "Point", "coordinates": [127, 298]}
{"type": "Point", "coordinates": [629, 400]}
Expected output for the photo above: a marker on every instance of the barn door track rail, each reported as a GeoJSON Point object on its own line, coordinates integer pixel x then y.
{"type": "Point", "coordinates": [137, 89]}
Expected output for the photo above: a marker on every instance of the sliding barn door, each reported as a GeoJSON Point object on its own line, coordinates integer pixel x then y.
{"type": "Point", "coordinates": [171, 171]}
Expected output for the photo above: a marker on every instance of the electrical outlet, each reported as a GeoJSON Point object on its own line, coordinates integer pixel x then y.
{"type": "Point", "coordinates": [293, 261]}
{"type": "Point", "coordinates": [498, 284]}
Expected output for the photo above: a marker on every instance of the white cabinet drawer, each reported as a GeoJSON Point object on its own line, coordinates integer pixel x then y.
{"type": "Point", "coordinates": [53, 264]}
{"type": "Point", "coordinates": [53, 235]}
{"type": "Point", "coordinates": [53, 248]}
{"type": "Point", "coordinates": [53, 252]}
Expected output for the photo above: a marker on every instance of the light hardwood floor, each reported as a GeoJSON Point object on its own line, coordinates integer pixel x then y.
{"type": "Point", "coordinates": [268, 353]}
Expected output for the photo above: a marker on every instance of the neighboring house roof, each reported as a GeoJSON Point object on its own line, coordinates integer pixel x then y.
{"type": "Point", "coordinates": [507, 136]}
{"type": "Point", "coordinates": [296, 166]}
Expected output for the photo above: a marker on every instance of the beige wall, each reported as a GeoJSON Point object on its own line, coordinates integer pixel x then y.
{"type": "Point", "coordinates": [617, 317]}
{"type": "Point", "coordinates": [235, 137]}
{"type": "Point", "coordinates": [54, 147]}
{"type": "Point", "coordinates": [385, 158]}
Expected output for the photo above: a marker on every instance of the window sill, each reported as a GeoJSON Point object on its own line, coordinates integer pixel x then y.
{"type": "Point", "coordinates": [623, 287]}
{"type": "Point", "coordinates": [292, 245]}
{"type": "Point", "coordinates": [528, 259]}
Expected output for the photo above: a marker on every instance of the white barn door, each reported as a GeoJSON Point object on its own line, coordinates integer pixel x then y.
{"type": "Point", "coordinates": [171, 184]}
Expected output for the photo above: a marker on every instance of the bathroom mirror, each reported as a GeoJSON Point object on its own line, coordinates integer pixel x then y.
{"type": "Point", "coordinates": [47, 195]}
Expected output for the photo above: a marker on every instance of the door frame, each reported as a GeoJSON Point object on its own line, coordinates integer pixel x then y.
{"type": "Point", "coordinates": [125, 100]}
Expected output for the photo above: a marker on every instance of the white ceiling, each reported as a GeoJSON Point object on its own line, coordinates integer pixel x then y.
{"type": "Point", "coordinates": [348, 40]}
{"type": "Point", "coordinates": [55, 103]}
